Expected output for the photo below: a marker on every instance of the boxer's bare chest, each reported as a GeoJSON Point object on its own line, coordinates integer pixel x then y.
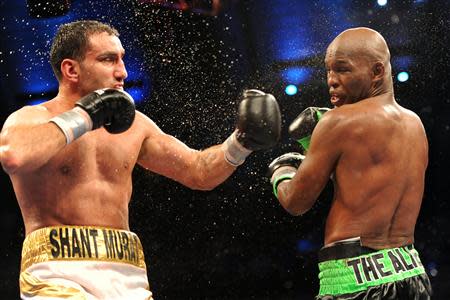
{"type": "Point", "coordinates": [97, 155]}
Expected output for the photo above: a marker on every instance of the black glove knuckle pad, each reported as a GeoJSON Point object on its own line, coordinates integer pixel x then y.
{"type": "Point", "coordinates": [111, 108]}
{"type": "Point", "coordinates": [304, 124]}
{"type": "Point", "coordinates": [293, 159]}
{"type": "Point", "coordinates": [259, 123]}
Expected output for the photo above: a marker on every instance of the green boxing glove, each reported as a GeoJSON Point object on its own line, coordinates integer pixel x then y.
{"type": "Point", "coordinates": [302, 127]}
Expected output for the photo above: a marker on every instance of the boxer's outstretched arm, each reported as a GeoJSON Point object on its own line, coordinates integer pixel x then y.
{"type": "Point", "coordinates": [164, 154]}
{"type": "Point", "coordinates": [28, 140]}
{"type": "Point", "coordinates": [258, 127]}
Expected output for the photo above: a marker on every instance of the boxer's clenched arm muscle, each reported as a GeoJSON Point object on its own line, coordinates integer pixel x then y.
{"type": "Point", "coordinates": [299, 194]}
{"type": "Point", "coordinates": [166, 155]}
{"type": "Point", "coordinates": [28, 140]}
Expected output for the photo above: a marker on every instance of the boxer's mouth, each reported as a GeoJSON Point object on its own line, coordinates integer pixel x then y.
{"type": "Point", "coordinates": [335, 99]}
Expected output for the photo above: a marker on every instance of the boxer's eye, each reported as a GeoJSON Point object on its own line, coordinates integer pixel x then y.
{"type": "Point", "coordinates": [108, 59]}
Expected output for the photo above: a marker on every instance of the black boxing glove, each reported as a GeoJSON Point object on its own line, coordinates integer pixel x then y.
{"type": "Point", "coordinates": [114, 109]}
{"type": "Point", "coordinates": [111, 108]}
{"type": "Point", "coordinates": [283, 168]}
{"type": "Point", "coordinates": [258, 126]}
{"type": "Point", "coordinates": [302, 127]}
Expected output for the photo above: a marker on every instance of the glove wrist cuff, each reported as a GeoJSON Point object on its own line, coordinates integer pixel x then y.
{"type": "Point", "coordinates": [73, 123]}
{"type": "Point", "coordinates": [235, 153]}
{"type": "Point", "coordinates": [280, 175]}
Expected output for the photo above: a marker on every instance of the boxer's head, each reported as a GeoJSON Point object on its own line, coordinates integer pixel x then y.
{"type": "Point", "coordinates": [72, 41]}
{"type": "Point", "coordinates": [88, 55]}
{"type": "Point", "coordinates": [358, 66]}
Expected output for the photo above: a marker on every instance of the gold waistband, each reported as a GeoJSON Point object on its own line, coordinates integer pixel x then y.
{"type": "Point", "coordinates": [82, 243]}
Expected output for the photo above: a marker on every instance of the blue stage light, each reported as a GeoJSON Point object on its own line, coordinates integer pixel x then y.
{"type": "Point", "coordinates": [37, 101]}
{"type": "Point", "coordinates": [305, 245]}
{"type": "Point", "coordinates": [137, 94]}
{"type": "Point", "coordinates": [403, 76]}
{"type": "Point", "coordinates": [402, 62]}
{"type": "Point", "coordinates": [297, 75]}
{"type": "Point", "coordinates": [432, 268]}
{"type": "Point", "coordinates": [382, 2]}
{"type": "Point", "coordinates": [291, 90]}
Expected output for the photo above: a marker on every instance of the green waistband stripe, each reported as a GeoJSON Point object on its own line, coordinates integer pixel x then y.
{"type": "Point", "coordinates": [350, 275]}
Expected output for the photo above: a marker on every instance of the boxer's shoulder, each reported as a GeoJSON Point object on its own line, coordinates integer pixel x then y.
{"type": "Point", "coordinates": [145, 124]}
{"type": "Point", "coordinates": [28, 115]}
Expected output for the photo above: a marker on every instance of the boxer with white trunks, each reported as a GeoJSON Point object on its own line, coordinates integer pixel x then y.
{"type": "Point", "coordinates": [70, 161]}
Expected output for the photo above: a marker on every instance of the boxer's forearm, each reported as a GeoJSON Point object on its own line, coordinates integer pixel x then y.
{"type": "Point", "coordinates": [297, 196]}
{"type": "Point", "coordinates": [285, 198]}
{"type": "Point", "coordinates": [25, 148]}
{"type": "Point", "coordinates": [211, 168]}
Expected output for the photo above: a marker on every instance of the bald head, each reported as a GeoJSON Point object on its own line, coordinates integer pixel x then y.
{"type": "Point", "coordinates": [364, 52]}
{"type": "Point", "coordinates": [361, 42]}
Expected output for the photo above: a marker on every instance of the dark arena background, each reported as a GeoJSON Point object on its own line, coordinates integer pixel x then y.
{"type": "Point", "coordinates": [188, 63]}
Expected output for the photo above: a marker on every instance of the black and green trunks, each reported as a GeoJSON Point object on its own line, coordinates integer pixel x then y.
{"type": "Point", "coordinates": [348, 270]}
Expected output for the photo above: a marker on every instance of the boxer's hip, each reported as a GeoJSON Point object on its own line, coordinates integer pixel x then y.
{"type": "Point", "coordinates": [83, 262]}
{"type": "Point", "coordinates": [349, 269]}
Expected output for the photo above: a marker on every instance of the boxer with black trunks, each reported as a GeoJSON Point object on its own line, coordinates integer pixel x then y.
{"type": "Point", "coordinates": [70, 161]}
{"type": "Point", "coordinates": [376, 153]}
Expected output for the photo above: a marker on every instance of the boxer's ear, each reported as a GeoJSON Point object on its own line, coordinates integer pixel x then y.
{"type": "Point", "coordinates": [70, 70]}
{"type": "Point", "coordinates": [378, 71]}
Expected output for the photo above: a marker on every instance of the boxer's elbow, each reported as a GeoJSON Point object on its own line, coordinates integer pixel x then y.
{"type": "Point", "coordinates": [9, 159]}
{"type": "Point", "coordinates": [12, 160]}
{"type": "Point", "coordinates": [294, 205]}
{"type": "Point", "coordinates": [295, 211]}
{"type": "Point", "coordinates": [291, 208]}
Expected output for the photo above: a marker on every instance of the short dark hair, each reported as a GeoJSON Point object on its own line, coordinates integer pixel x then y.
{"type": "Point", "coordinates": [72, 41]}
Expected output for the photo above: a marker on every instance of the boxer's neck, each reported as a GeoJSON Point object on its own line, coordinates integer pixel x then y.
{"type": "Point", "coordinates": [69, 94]}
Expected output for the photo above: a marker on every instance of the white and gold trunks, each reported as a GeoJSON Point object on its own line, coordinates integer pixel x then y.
{"type": "Point", "coordinates": [82, 262]}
